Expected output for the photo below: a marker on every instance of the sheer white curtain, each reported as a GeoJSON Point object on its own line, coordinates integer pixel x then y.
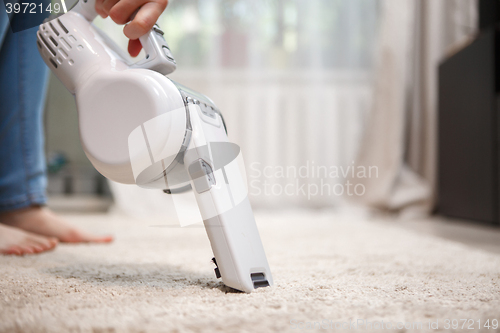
{"type": "Point", "coordinates": [401, 136]}
{"type": "Point", "coordinates": [292, 79]}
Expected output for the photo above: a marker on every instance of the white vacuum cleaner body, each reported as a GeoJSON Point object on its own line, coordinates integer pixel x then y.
{"type": "Point", "coordinates": [139, 127]}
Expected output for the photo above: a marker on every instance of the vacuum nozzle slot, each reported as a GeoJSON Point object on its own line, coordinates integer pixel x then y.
{"type": "Point", "coordinates": [259, 280]}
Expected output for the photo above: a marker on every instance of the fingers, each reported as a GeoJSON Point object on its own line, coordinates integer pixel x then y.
{"type": "Point", "coordinates": [144, 20]}
{"type": "Point", "coordinates": [134, 47]}
{"type": "Point", "coordinates": [120, 11]}
{"type": "Point", "coordinates": [104, 6]}
{"type": "Point", "coordinates": [98, 8]}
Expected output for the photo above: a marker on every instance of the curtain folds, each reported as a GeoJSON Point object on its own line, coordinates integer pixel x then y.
{"type": "Point", "coordinates": [401, 132]}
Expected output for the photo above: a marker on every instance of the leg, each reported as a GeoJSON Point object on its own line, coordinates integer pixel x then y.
{"type": "Point", "coordinates": [23, 77]}
{"type": "Point", "coordinates": [13, 240]}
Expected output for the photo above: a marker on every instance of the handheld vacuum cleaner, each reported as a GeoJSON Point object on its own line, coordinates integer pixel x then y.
{"type": "Point", "coordinates": [139, 127]}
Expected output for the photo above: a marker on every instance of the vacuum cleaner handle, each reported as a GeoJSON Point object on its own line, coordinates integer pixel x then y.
{"type": "Point", "coordinates": [158, 55]}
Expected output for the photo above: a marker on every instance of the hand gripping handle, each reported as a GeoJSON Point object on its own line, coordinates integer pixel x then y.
{"type": "Point", "coordinates": [158, 55]}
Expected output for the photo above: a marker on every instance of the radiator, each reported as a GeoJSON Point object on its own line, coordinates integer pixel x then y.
{"type": "Point", "coordinates": [291, 127]}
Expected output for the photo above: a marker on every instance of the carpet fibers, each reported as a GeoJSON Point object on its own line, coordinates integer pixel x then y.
{"type": "Point", "coordinates": [330, 272]}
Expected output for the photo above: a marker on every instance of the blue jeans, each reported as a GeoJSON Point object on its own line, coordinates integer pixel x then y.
{"type": "Point", "coordinates": [23, 82]}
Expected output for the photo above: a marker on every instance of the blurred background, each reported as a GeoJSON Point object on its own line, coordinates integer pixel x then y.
{"type": "Point", "coordinates": [334, 103]}
{"type": "Point", "coordinates": [292, 79]}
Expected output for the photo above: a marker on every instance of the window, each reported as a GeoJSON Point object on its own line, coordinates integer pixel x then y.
{"type": "Point", "coordinates": [272, 33]}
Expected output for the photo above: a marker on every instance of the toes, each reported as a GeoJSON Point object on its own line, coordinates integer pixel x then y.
{"type": "Point", "coordinates": [102, 239]}
{"type": "Point", "coordinates": [38, 248]}
{"type": "Point", "coordinates": [43, 243]}
{"type": "Point", "coordinates": [99, 239]}
{"type": "Point", "coordinates": [53, 242]}
{"type": "Point", "coordinates": [27, 250]}
{"type": "Point", "coordinates": [17, 242]}
{"type": "Point", "coordinates": [15, 250]}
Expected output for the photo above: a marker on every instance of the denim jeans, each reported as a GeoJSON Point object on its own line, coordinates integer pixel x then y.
{"type": "Point", "coordinates": [23, 83]}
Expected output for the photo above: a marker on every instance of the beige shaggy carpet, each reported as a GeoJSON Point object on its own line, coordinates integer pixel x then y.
{"type": "Point", "coordinates": [329, 270]}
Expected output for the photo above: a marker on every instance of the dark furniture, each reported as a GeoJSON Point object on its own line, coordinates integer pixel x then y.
{"type": "Point", "coordinates": [469, 125]}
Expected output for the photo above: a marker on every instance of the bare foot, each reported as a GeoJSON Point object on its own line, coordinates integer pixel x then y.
{"type": "Point", "coordinates": [41, 221]}
{"type": "Point", "coordinates": [16, 241]}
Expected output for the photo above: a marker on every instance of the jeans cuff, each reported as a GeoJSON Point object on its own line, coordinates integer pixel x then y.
{"type": "Point", "coordinates": [23, 201]}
